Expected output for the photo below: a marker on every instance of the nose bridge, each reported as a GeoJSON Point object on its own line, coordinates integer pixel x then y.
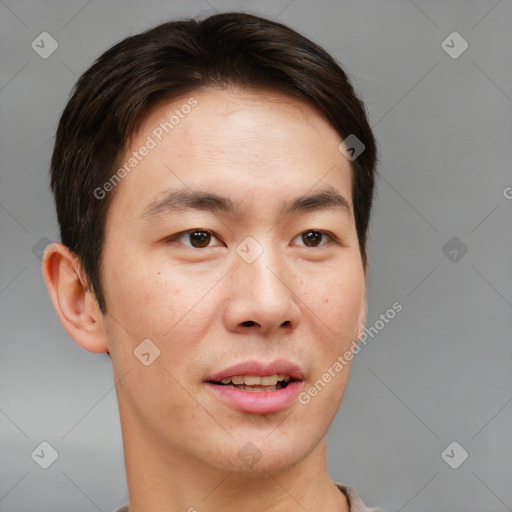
{"type": "Point", "coordinates": [264, 266]}
{"type": "Point", "coordinates": [260, 290]}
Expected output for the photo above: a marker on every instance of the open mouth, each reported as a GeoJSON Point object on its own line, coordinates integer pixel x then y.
{"type": "Point", "coordinates": [255, 387]}
{"type": "Point", "coordinates": [256, 383]}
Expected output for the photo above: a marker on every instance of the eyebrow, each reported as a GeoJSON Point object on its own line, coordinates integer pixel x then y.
{"type": "Point", "coordinates": [176, 201]}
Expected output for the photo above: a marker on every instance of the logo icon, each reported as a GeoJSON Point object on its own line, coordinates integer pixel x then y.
{"type": "Point", "coordinates": [44, 45]}
{"type": "Point", "coordinates": [249, 454]}
{"type": "Point", "coordinates": [351, 147]}
{"type": "Point", "coordinates": [454, 45]}
{"type": "Point", "coordinates": [454, 249]}
{"type": "Point", "coordinates": [249, 250]}
{"type": "Point", "coordinates": [39, 247]}
{"type": "Point", "coordinates": [45, 455]}
{"type": "Point", "coordinates": [146, 352]}
{"type": "Point", "coordinates": [454, 455]}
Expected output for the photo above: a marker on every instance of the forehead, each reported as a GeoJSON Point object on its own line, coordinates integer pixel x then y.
{"type": "Point", "coordinates": [247, 145]}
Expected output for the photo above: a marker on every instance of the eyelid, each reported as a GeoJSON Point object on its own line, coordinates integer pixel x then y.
{"type": "Point", "coordinates": [181, 234]}
{"type": "Point", "coordinates": [328, 234]}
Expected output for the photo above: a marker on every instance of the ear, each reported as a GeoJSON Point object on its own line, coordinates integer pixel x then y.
{"type": "Point", "coordinates": [362, 318]}
{"type": "Point", "coordinates": [76, 306]}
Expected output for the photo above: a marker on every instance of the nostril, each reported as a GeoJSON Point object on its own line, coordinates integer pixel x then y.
{"type": "Point", "coordinates": [248, 323]}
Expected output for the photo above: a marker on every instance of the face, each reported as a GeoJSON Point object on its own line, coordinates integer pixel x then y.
{"type": "Point", "coordinates": [231, 245]}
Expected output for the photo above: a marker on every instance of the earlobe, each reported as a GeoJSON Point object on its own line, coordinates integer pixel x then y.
{"type": "Point", "coordinates": [75, 305]}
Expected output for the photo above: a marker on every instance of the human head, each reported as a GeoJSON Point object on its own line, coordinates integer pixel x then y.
{"type": "Point", "coordinates": [112, 99]}
{"type": "Point", "coordinates": [255, 161]}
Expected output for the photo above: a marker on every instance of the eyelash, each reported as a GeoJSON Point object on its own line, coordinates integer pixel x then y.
{"type": "Point", "coordinates": [182, 234]}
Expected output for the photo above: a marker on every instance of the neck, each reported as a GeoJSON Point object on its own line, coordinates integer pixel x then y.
{"type": "Point", "coordinates": [162, 478]}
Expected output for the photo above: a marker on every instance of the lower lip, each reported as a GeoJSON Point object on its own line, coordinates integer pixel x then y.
{"type": "Point", "coordinates": [257, 402]}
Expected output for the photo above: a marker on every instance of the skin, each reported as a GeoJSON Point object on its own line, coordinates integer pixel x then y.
{"type": "Point", "coordinates": [307, 304]}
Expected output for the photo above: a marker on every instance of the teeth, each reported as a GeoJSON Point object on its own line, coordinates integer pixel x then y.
{"type": "Point", "coordinates": [256, 389]}
{"type": "Point", "coordinates": [270, 380]}
{"type": "Point", "coordinates": [251, 380]}
{"type": "Point", "coordinates": [256, 380]}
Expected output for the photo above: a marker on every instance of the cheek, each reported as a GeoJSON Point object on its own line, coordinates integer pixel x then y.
{"type": "Point", "coordinates": [335, 297]}
{"type": "Point", "coordinates": [172, 305]}
{"type": "Point", "coordinates": [334, 311]}
{"type": "Point", "coordinates": [159, 395]}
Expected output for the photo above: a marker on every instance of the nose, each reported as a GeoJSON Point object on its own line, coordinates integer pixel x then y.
{"type": "Point", "coordinates": [261, 296]}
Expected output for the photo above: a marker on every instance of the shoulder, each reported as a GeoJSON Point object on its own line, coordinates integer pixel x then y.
{"type": "Point", "coordinates": [354, 501]}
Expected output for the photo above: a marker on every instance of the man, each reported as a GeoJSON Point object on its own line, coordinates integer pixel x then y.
{"type": "Point", "coordinates": [213, 182]}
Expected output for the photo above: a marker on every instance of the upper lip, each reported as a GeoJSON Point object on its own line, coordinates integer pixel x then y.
{"type": "Point", "coordinates": [279, 367]}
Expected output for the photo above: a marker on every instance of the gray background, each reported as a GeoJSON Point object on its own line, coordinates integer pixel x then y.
{"type": "Point", "coordinates": [439, 372]}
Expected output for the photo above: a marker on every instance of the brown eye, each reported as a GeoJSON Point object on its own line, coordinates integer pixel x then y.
{"type": "Point", "coordinates": [315, 238]}
{"type": "Point", "coordinates": [195, 238]}
{"type": "Point", "coordinates": [312, 238]}
{"type": "Point", "coordinates": [199, 238]}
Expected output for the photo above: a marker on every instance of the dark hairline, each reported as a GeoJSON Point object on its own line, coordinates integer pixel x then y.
{"type": "Point", "coordinates": [93, 134]}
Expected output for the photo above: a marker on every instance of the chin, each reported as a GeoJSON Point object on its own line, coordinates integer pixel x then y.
{"type": "Point", "coordinates": [253, 454]}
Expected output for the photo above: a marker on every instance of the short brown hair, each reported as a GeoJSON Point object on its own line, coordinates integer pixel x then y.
{"type": "Point", "coordinates": [112, 98]}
